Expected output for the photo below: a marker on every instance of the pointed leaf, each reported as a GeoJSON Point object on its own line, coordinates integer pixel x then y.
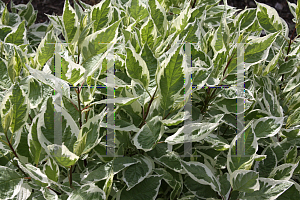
{"type": "Point", "coordinates": [62, 155]}
{"type": "Point", "coordinates": [244, 181]}
{"type": "Point", "coordinates": [147, 189]}
{"type": "Point", "coordinates": [149, 134]}
{"type": "Point", "coordinates": [136, 67]}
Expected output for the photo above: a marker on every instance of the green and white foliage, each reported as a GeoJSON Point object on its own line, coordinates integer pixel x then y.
{"type": "Point", "coordinates": [145, 42]}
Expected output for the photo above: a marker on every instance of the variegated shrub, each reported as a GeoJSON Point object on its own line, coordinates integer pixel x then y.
{"type": "Point", "coordinates": [139, 51]}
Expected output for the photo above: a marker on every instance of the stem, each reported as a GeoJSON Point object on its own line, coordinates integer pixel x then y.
{"type": "Point", "coordinates": [144, 119]}
{"type": "Point", "coordinates": [74, 105]}
{"type": "Point", "coordinates": [230, 193]}
{"type": "Point", "coordinates": [80, 125]}
{"type": "Point", "coordinates": [287, 54]}
{"type": "Point", "coordinates": [30, 118]}
{"type": "Point", "coordinates": [70, 177]}
{"type": "Point", "coordinates": [167, 115]}
{"type": "Point", "coordinates": [79, 109]}
{"type": "Point", "coordinates": [81, 86]}
{"type": "Point", "coordinates": [193, 6]}
{"type": "Point", "coordinates": [4, 142]}
{"type": "Point", "coordinates": [11, 147]}
{"type": "Point", "coordinates": [58, 193]}
{"type": "Point", "coordinates": [289, 48]}
{"type": "Point", "coordinates": [78, 55]}
{"type": "Point", "coordinates": [85, 108]}
{"type": "Point", "coordinates": [1, 49]}
{"type": "Point", "coordinates": [143, 110]}
{"type": "Point", "coordinates": [9, 160]}
{"type": "Point", "coordinates": [86, 115]}
{"type": "Point", "coordinates": [148, 93]}
{"type": "Point", "coordinates": [225, 130]}
{"type": "Point", "coordinates": [211, 96]}
{"type": "Point", "coordinates": [227, 65]}
{"type": "Point", "coordinates": [8, 2]}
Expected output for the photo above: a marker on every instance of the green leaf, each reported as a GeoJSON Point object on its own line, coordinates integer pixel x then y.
{"type": "Point", "coordinates": [45, 126]}
{"type": "Point", "coordinates": [149, 134]}
{"type": "Point", "coordinates": [292, 83]}
{"type": "Point", "coordinates": [70, 21]}
{"type": "Point", "coordinates": [171, 78]}
{"type": "Point", "coordinates": [136, 67]}
{"type": "Point", "coordinates": [283, 172]}
{"type": "Point", "coordinates": [244, 181]}
{"type": "Point", "coordinates": [10, 182]}
{"type": "Point", "coordinates": [242, 160]}
{"type": "Point", "coordinates": [89, 135]}
{"type": "Point", "coordinates": [158, 14]}
{"type": "Point", "coordinates": [268, 18]}
{"type": "Point", "coordinates": [23, 148]}
{"type": "Point", "coordinates": [294, 118]}
{"type": "Point", "coordinates": [19, 107]}
{"type": "Point", "coordinates": [49, 194]}
{"type": "Point", "coordinates": [269, 189]}
{"type": "Point", "coordinates": [18, 35]}
{"type": "Point", "coordinates": [287, 67]}
{"type": "Point", "coordinates": [180, 22]}
{"type": "Point", "coordinates": [137, 10]}
{"type": "Point", "coordinates": [201, 173]}
{"type": "Point", "coordinates": [62, 155]}
{"type": "Point", "coordinates": [102, 172]}
{"type": "Point", "coordinates": [166, 176]}
{"type": "Point", "coordinates": [298, 12]}
{"type": "Point", "coordinates": [100, 13]}
{"type": "Point", "coordinates": [292, 193]}
{"type": "Point", "coordinates": [266, 166]}
{"type": "Point", "coordinates": [33, 142]}
{"type": "Point", "coordinates": [200, 190]}
{"type": "Point", "coordinates": [272, 64]}
{"type": "Point", "coordinates": [4, 30]}
{"type": "Point", "coordinates": [146, 189]}
{"type": "Point", "coordinates": [35, 95]}
{"type": "Point", "coordinates": [88, 191]}
{"type": "Point", "coordinates": [171, 160]}
{"type": "Point", "coordinates": [71, 71]}
{"type": "Point", "coordinates": [291, 157]}
{"type": "Point", "coordinates": [151, 61]}
{"type": "Point", "coordinates": [148, 33]}
{"type": "Point", "coordinates": [246, 18]}
{"type": "Point", "coordinates": [258, 49]}
{"type": "Point", "coordinates": [221, 37]}
{"type": "Point", "coordinates": [217, 142]}
{"type": "Point", "coordinates": [267, 126]}
{"type": "Point", "coordinates": [271, 103]}
{"type": "Point", "coordinates": [28, 14]}
{"type": "Point", "coordinates": [45, 50]}
{"type": "Point", "coordinates": [92, 46]}
{"type": "Point", "coordinates": [136, 173]}
{"type": "Point", "coordinates": [35, 173]}
{"type": "Point", "coordinates": [24, 193]}
{"type": "Point", "coordinates": [51, 80]}
{"type": "Point", "coordinates": [176, 119]}
{"type": "Point", "coordinates": [196, 131]}
{"type": "Point", "coordinates": [225, 186]}
{"type": "Point", "coordinates": [204, 66]}
{"type": "Point", "coordinates": [51, 169]}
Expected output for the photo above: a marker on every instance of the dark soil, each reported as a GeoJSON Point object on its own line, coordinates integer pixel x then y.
{"type": "Point", "coordinates": [56, 6]}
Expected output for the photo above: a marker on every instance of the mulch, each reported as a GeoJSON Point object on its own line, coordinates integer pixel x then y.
{"type": "Point", "coordinates": [56, 7]}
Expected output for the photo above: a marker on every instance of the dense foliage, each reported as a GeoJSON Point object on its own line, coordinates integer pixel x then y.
{"type": "Point", "coordinates": [150, 92]}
